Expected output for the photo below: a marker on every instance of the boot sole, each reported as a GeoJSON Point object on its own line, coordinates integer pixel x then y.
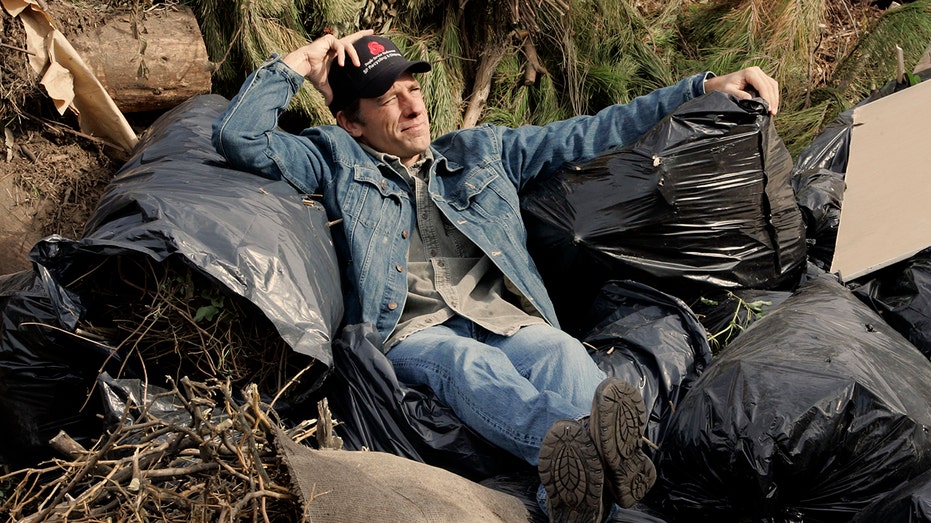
{"type": "Point", "coordinates": [617, 421]}
{"type": "Point", "coordinates": [572, 474]}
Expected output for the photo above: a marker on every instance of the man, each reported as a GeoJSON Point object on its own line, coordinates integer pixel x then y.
{"type": "Point", "coordinates": [433, 251]}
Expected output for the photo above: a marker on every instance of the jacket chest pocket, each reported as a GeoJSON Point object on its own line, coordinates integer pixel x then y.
{"type": "Point", "coordinates": [489, 198]}
{"type": "Point", "coordinates": [369, 207]}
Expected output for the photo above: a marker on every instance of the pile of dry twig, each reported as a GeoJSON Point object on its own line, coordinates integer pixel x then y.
{"type": "Point", "coordinates": [169, 319]}
{"type": "Point", "coordinates": [213, 462]}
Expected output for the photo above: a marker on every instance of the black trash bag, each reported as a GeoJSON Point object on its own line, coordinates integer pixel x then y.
{"type": "Point", "coordinates": [46, 372]}
{"type": "Point", "coordinates": [651, 340]}
{"type": "Point", "coordinates": [901, 293]}
{"type": "Point", "coordinates": [818, 182]}
{"type": "Point", "coordinates": [378, 412]}
{"type": "Point", "coordinates": [815, 412]}
{"type": "Point", "coordinates": [524, 486]}
{"type": "Point", "coordinates": [701, 200]}
{"type": "Point", "coordinates": [820, 193]}
{"type": "Point", "coordinates": [176, 195]}
{"type": "Point", "coordinates": [175, 200]}
{"type": "Point", "coordinates": [910, 503]}
{"type": "Point", "coordinates": [898, 292]}
{"type": "Point", "coordinates": [122, 396]}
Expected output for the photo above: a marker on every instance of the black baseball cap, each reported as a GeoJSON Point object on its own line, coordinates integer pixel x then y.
{"type": "Point", "coordinates": [381, 63]}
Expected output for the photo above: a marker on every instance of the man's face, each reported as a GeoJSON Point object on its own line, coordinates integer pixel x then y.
{"type": "Point", "coordinates": [395, 123]}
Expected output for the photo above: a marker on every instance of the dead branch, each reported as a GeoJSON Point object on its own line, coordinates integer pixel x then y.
{"type": "Point", "coordinates": [59, 128]}
{"type": "Point", "coordinates": [181, 323]}
{"type": "Point", "coordinates": [13, 47]}
{"type": "Point", "coordinates": [482, 87]}
{"type": "Point", "coordinates": [65, 444]}
{"type": "Point", "coordinates": [183, 474]}
{"type": "Point", "coordinates": [534, 66]}
{"type": "Point", "coordinates": [326, 438]}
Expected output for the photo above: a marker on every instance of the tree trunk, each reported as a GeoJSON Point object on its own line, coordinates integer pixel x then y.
{"type": "Point", "coordinates": [150, 64]}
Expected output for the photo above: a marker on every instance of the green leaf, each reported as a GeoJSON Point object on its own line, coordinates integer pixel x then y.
{"type": "Point", "coordinates": [207, 312]}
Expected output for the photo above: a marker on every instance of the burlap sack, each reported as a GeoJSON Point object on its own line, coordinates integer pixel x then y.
{"type": "Point", "coordinates": [350, 486]}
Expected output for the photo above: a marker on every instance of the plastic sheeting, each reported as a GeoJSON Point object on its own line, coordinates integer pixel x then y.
{"type": "Point", "coordinates": [176, 196]}
{"type": "Point", "coordinates": [818, 181]}
{"type": "Point", "coordinates": [910, 503]}
{"type": "Point", "coordinates": [45, 371]}
{"type": "Point", "coordinates": [652, 340]}
{"type": "Point", "coordinates": [701, 200]}
{"type": "Point", "coordinates": [174, 199]}
{"type": "Point", "coordinates": [901, 293]}
{"type": "Point", "coordinates": [257, 237]}
{"type": "Point", "coordinates": [121, 396]}
{"type": "Point", "coordinates": [812, 414]}
{"type": "Point", "coordinates": [726, 314]}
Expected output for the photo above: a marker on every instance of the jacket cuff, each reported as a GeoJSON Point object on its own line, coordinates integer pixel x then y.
{"type": "Point", "coordinates": [704, 77]}
{"type": "Point", "coordinates": [276, 65]}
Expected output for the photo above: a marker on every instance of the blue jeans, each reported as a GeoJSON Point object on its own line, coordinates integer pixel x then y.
{"type": "Point", "coordinates": [509, 389]}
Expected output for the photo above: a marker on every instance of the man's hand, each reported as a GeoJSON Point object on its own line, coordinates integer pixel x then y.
{"type": "Point", "coordinates": [313, 60]}
{"type": "Point", "coordinates": [736, 84]}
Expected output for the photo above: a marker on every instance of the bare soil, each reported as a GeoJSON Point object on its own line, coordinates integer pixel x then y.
{"type": "Point", "coordinates": [51, 176]}
{"type": "Point", "coordinates": [50, 186]}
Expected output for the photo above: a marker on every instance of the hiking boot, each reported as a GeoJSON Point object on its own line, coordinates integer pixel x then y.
{"type": "Point", "coordinates": [616, 427]}
{"type": "Point", "coordinates": [572, 474]}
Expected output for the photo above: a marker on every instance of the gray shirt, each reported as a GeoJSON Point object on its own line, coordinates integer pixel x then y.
{"type": "Point", "coordinates": [447, 274]}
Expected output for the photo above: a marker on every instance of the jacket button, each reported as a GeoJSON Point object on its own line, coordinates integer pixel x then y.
{"type": "Point", "coordinates": [384, 184]}
{"type": "Point", "coordinates": [405, 234]}
{"type": "Point", "coordinates": [399, 267]}
{"type": "Point", "coordinates": [392, 305]}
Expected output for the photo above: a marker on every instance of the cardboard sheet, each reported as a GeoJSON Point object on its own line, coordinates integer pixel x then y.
{"type": "Point", "coordinates": [886, 211]}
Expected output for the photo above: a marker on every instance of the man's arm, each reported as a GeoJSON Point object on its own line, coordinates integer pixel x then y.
{"type": "Point", "coordinates": [246, 134]}
{"type": "Point", "coordinates": [530, 151]}
{"type": "Point", "coordinates": [538, 151]}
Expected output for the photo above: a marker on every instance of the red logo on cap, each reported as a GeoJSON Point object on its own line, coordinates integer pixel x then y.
{"type": "Point", "coordinates": [375, 48]}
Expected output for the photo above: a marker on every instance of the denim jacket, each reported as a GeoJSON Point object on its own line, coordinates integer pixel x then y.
{"type": "Point", "coordinates": [475, 181]}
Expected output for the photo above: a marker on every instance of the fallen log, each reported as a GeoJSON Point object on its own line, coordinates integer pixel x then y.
{"type": "Point", "coordinates": [150, 62]}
